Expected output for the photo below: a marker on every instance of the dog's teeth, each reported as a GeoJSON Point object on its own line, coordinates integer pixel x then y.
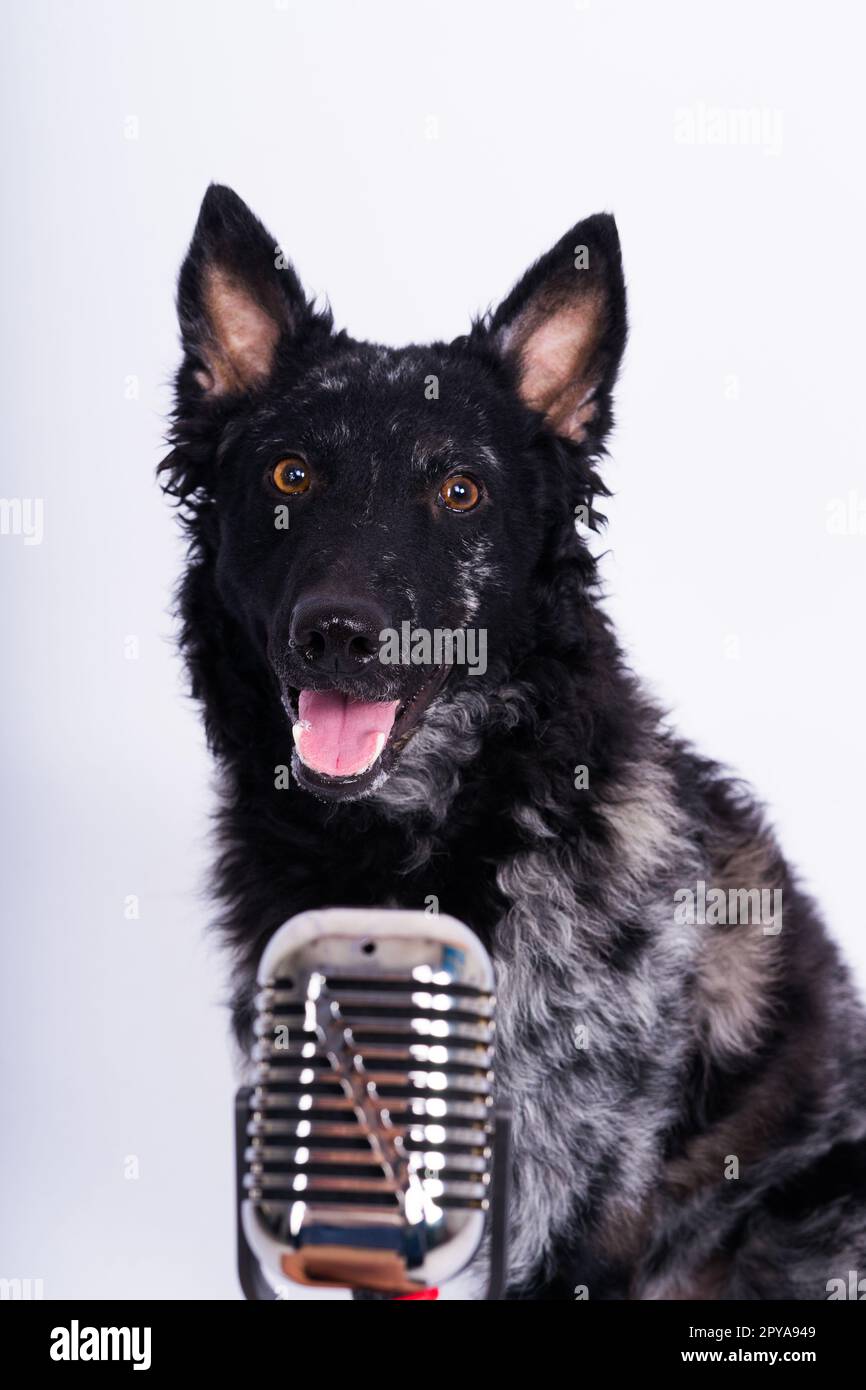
{"type": "Point", "coordinates": [297, 730]}
{"type": "Point", "coordinates": [379, 744]}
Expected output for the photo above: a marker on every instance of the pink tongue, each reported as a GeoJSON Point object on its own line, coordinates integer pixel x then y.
{"type": "Point", "coordinates": [339, 736]}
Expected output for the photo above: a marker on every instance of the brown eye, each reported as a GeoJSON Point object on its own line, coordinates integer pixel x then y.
{"type": "Point", "coordinates": [460, 493]}
{"type": "Point", "coordinates": [291, 476]}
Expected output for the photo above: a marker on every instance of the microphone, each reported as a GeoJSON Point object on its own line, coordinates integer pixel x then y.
{"type": "Point", "coordinates": [370, 1153]}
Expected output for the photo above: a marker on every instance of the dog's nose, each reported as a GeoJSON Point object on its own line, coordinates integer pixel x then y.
{"type": "Point", "coordinates": [337, 637]}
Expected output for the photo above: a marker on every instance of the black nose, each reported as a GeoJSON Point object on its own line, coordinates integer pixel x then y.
{"type": "Point", "coordinates": [337, 636]}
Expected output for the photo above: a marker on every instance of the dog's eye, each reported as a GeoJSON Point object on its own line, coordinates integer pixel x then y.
{"type": "Point", "coordinates": [460, 493]}
{"type": "Point", "coordinates": [291, 476]}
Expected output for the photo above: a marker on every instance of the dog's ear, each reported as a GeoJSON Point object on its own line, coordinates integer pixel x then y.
{"type": "Point", "coordinates": [564, 328]}
{"type": "Point", "coordinates": [238, 298]}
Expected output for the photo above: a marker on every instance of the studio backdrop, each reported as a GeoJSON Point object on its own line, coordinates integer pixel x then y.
{"type": "Point", "coordinates": [412, 160]}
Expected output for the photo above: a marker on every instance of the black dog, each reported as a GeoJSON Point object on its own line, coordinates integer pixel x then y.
{"type": "Point", "coordinates": [681, 1046]}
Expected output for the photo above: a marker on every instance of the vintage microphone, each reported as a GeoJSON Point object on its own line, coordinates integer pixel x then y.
{"type": "Point", "coordinates": [370, 1153]}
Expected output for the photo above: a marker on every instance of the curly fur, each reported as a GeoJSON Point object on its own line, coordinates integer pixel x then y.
{"type": "Point", "coordinates": [699, 1044]}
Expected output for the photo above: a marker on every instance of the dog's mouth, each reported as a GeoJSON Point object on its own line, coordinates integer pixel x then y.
{"type": "Point", "coordinates": [345, 746]}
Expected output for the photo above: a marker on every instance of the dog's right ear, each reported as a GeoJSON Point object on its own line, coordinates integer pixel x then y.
{"type": "Point", "coordinates": [238, 299]}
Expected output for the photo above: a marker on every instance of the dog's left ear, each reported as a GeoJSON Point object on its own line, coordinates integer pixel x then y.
{"type": "Point", "coordinates": [564, 328]}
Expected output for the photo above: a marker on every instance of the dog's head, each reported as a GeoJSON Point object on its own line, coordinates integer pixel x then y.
{"type": "Point", "coordinates": [382, 522]}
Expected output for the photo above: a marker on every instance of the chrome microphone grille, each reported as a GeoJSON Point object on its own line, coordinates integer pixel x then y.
{"type": "Point", "coordinates": [371, 1107]}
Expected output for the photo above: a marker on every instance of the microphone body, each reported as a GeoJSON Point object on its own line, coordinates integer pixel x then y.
{"type": "Point", "coordinates": [366, 1142]}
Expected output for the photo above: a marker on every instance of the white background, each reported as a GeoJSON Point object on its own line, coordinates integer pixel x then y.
{"type": "Point", "coordinates": [412, 159]}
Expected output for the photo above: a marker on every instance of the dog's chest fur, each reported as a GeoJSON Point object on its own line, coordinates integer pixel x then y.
{"type": "Point", "coordinates": [591, 1011]}
{"type": "Point", "coordinates": [619, 1029]}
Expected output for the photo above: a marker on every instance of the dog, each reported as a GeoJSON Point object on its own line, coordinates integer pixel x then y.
{"type": "Point", "coordinates": [686, 1075]}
